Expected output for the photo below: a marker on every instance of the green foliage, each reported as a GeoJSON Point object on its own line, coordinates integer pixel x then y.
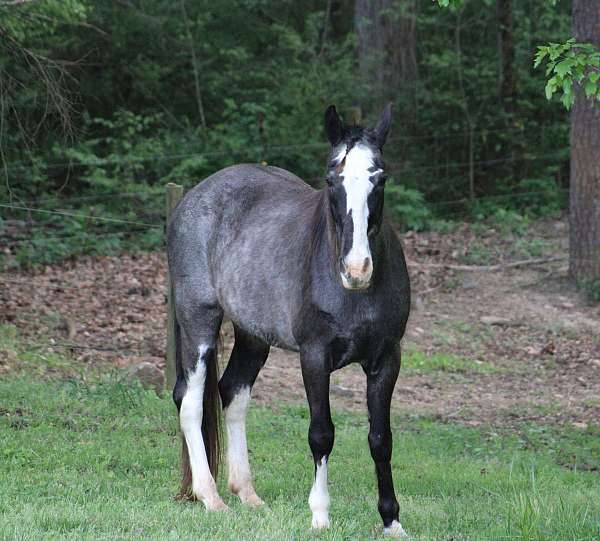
{"type": "Point", "coordinates": [129, 91]}
{"type": "Point", "coordinates": [407, 206]}
{"type": "Point", "coordinates": [568, 65]}
{"type": "Point", "coordinates": [591, 290]}
{"type": "Point", "coordinates": [449, 3]}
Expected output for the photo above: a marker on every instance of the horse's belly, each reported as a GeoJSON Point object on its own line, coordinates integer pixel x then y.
{"type": "Point", "coordinates": [258, 308]}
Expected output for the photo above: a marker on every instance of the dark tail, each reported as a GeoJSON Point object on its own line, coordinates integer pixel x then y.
{"type": "Point", "coordinates": [211, 417]}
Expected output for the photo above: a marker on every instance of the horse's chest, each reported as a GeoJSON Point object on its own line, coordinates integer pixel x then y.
{"type": "Point", "coordinates": [359, 340]}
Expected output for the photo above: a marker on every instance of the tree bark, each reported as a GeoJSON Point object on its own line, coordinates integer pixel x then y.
{"type": "Point", "coordinates": [386, 31]}
{"type": "Point", "coordinates": [584, 195]}
{"type": "Point", "coordinates": [507, 55]}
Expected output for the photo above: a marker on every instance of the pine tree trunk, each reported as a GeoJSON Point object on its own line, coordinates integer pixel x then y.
{"type": "Point", "coordinates": [584, 212]}
{"type": "Point", "coordinates": [386, 31]}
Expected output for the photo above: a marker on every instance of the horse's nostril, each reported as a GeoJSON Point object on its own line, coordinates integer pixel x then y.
{"type": "Point", "coordinates": [366, 264]}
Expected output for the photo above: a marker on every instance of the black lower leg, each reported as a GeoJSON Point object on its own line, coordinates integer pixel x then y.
{"type": "Point", "coordinates": [379, 394]}
{"type": "Point", "coordinates": [316, 383]}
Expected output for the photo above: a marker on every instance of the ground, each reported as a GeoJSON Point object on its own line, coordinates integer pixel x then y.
{"type": "Point", "coordinates": [87, 454]}
{"type": "Point", "coordinates": [496, 415]}
{"type": "Point", "coordinates": [481, 346]}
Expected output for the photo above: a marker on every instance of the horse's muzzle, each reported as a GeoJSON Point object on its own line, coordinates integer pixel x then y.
{"type": "Point", "coordinates": [357, 275]}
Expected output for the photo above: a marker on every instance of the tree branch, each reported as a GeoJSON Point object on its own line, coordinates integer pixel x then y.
{"type": "Point", "coordinates": [490, 268]}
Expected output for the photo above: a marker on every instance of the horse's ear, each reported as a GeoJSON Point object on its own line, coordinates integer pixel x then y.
{"type": "Point", "coordinates": [383, 126]}
{"type": "Point", "coordinates": [334, 127]}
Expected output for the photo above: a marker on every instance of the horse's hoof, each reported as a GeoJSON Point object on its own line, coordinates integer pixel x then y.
{"type": "Point", "coordinates": [395, 529]}
{"type": "Point", "coordinates": [252, 500]}
{"type": "Point", "coordinates": [215, 504]}
{"type": "Point", "coordinates": [320, 520]}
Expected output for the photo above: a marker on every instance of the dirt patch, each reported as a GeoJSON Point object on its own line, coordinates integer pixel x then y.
{"type": "Point", "coordinates": [537, 339]}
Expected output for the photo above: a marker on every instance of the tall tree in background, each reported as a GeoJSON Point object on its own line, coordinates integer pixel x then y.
{"type": "Point", "coordinates": [386, 32]}
{"type": "Point", "coordinates": [585, 160]}
{"type": "Point", "coordinates": [506, 48]}
{"type": "Point", "coordinates": [507, 75]}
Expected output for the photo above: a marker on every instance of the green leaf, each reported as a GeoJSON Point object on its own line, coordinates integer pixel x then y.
{"type": "Point", "coordinates": [590, 89]}
{"type": "Point", "coordinates": [550, 88]}
{"type": "Point", "coordinates": [540, 55]}
{"type": "Point", "coordinates": [567, 100]}
{"type": "Point", "coordinates": [564, 67]}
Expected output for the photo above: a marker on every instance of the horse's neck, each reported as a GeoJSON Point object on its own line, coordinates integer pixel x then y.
{"type": "Point", "coordinates": [323, 249]}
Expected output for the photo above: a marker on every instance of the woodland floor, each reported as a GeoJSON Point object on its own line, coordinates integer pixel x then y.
{"type": "Point", "coordinates": [482, 347]}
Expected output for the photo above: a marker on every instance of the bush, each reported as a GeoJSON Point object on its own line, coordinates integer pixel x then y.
{"type": "Point", "coordinates": [408, 207]}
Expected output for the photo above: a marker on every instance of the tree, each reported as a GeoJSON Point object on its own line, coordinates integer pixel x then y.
{"type": "Point", "coordinates": [584, 205]}
{"type": "Point", "coordinates": [507, 55]}
{"type": "Point", "coordinates": [386, 31]}
{"type": "Point", "coordinates": [573, 71]}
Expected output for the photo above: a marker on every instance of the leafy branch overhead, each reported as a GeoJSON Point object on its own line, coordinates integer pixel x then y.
{"type": "Point", "coordinates": [568, 64]}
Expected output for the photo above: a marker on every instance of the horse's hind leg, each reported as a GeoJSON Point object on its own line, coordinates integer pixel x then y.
{"type": "Point", "coordinates": [196, 396]}
{"type": "Point", "coordinates": [247, 358]}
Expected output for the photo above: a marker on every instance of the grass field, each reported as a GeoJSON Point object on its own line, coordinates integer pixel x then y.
{"type": "Point", "coordinates": [91, 456]}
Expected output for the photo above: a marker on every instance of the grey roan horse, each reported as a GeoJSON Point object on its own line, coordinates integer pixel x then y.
{"type": "Point", "coordinates": [315, 271]}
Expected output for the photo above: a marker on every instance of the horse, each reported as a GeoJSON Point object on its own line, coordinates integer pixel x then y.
{"type": "Point", "coordinates": [316, 271]}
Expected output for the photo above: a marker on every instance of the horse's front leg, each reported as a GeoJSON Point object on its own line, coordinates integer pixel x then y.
{"type": "Point", "coordinates": [321, 431]}
{"type": "Point", "coordinates": [380, 386]}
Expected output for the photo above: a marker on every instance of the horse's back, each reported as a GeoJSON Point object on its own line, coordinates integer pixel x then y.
{"type": "Point", "coordinates": [236, 230]}
{"type": "Point", "coordinates": [247, 179]}
{"type": "Point", "coordinates": [229, 195]}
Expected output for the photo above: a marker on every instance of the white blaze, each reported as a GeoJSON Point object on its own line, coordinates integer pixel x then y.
{"type": "Point", "coordinates": [358, 187]}
{"type": "Point", "coordinates": [318, 500]}
{"type": "Point", "coordinates": [190, 418]}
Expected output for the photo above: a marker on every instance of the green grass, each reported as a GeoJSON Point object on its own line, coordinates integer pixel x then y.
{"type": "Point", "coordinates": [416, 361]}
{"type": "Point", "coordinates": [87, 456]}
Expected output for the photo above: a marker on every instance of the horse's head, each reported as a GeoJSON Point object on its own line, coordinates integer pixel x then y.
{"type": "Point", "coordinates": [356, 179]}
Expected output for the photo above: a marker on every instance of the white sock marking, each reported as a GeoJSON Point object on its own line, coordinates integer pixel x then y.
{"type": "Point", "coordinates": [358, 187]}
{"type": "Point", "coordinates": [318, 500]}
{"type": "Point", "coordinates": [240, 478]}
{"type": "Point", "coordinates": [190, 418]}
{"type": "Point", "coordinates": [395, 529]}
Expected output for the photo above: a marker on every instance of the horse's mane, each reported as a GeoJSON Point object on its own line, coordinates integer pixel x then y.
{"type": "Point", "coordinates": [323, 226]}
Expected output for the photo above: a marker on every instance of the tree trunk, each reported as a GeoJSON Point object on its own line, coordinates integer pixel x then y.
{"type": "Point", "coordinates": [507, 55]}
{"type": "Point", "coordinates": [584, 212]}
{"type": "Point", "coordinates": [386, 31]}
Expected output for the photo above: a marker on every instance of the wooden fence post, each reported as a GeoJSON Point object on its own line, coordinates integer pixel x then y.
{"type": "Point", "coordinates": [174, 195]}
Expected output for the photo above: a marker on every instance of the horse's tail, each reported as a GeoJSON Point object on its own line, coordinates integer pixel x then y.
{"type": "Point", "coordinates": [211, 417]}
{"type": "Point", "coordinates": [211, 414]}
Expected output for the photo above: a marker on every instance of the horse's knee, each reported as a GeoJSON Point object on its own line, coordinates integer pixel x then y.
{"type": "Point", "coordinates": [320, 439]}
{"type": "Point", "coordinates": [380, 444]}
{"type": "Point", "coordinates": [179, 391]}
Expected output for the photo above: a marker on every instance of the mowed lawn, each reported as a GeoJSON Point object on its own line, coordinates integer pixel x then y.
{"type": "Point", "coordinates": [96, 457]}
